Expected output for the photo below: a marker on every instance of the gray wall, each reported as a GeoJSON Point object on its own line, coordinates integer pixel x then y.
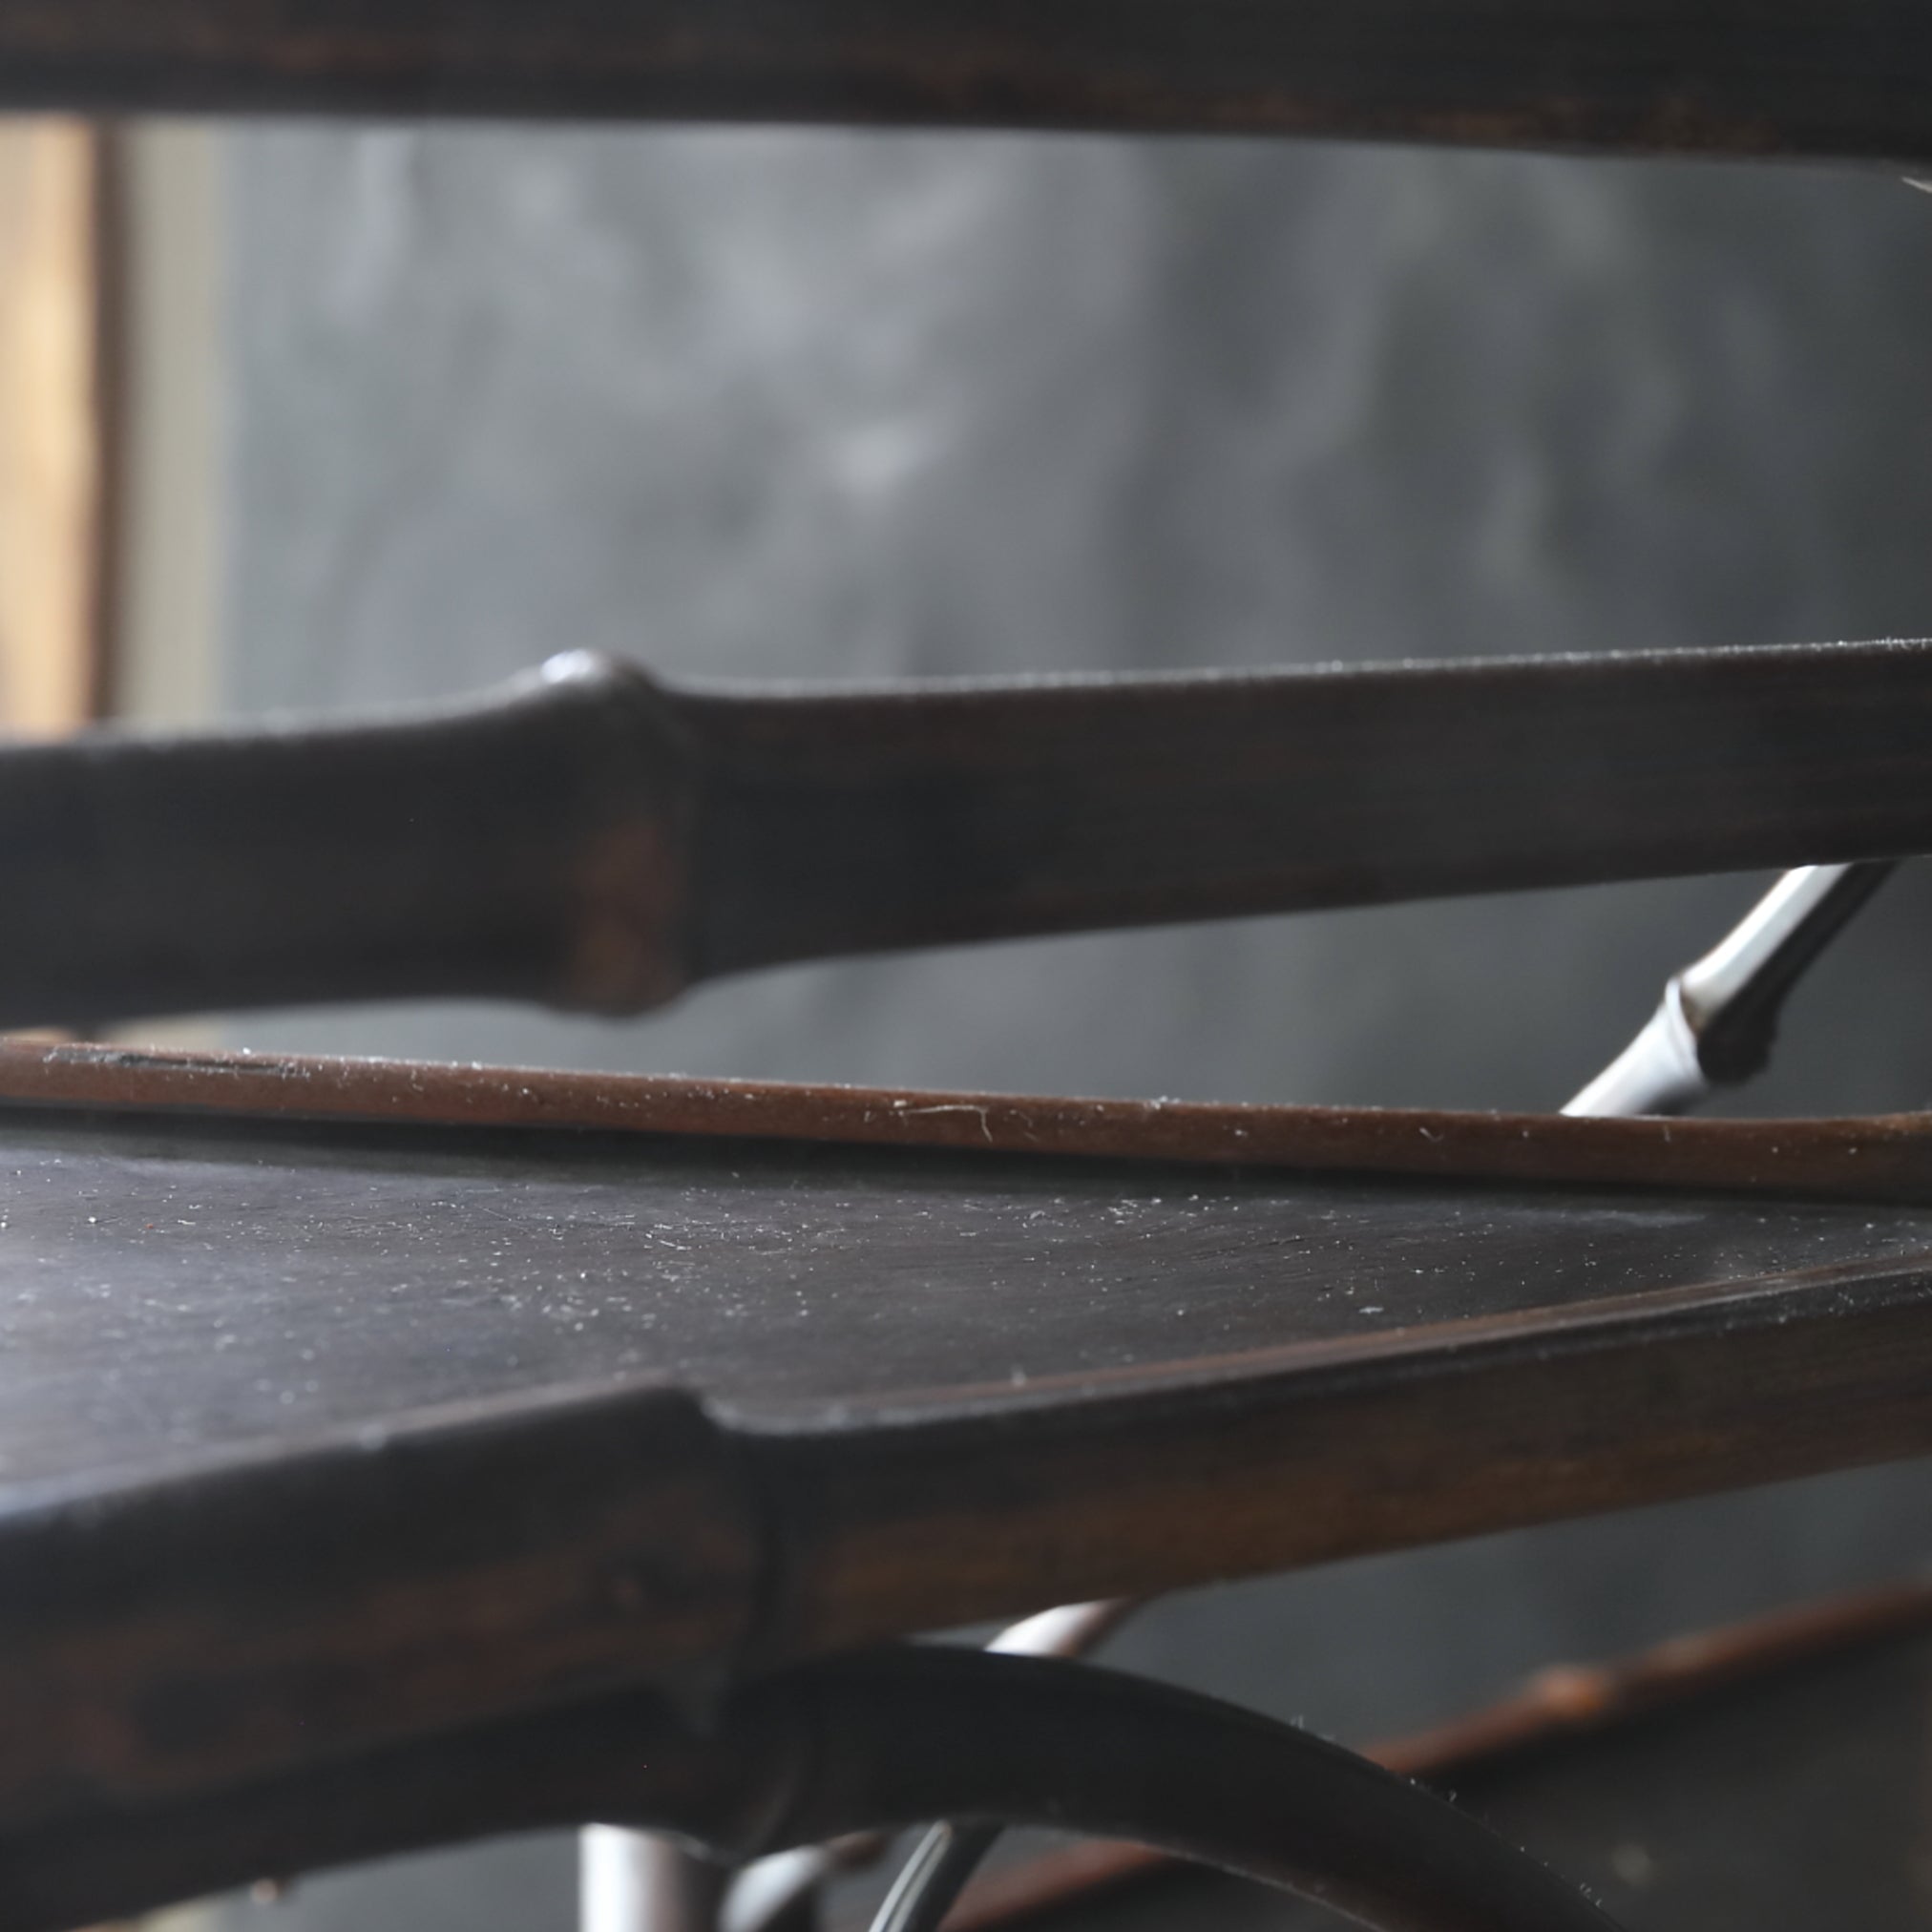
{"type": "Point", "coordinates": [819, 405]}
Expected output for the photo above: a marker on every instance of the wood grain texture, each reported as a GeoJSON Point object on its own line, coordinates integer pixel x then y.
{"type": "Point", "coordinates": [317, 1434]}
{"type": "Point", "coordinates": [55, 466]}
{"type": "Point", "coordinates": [1804, 78]}
{"type": "Point", "coordinates": [1243, 1466]}
{"type": "Point", "coordinates": [594, 839]}
{"type": "Point", "coordinates": [337, 1588]}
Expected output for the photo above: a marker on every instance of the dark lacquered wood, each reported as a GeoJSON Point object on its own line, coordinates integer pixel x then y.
{"type": "Point", "coordinates": [595, 840]}
{"type": "Point", "coordinates": [1324, 1453]}
{"type": "Point", "coordinates": [1798, 76]}
{"type": "Point", "coordinates": [206, 1621]}
{"type": "Point", "coordinates": [175, 1287]}
{"type": "Point", "coordinates": [317, 1434]}
{"type": "Point", "coordinates": [882, 1741]}
{"type": "Point", "coordinates": [831, 823]}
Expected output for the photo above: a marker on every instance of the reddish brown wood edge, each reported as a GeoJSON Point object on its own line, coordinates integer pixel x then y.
{"type": "Point", "coordinates": [1876, 1158]}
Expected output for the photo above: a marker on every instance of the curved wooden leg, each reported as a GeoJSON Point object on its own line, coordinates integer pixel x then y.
{"type": "Point", "coordinates": [896, 1738]}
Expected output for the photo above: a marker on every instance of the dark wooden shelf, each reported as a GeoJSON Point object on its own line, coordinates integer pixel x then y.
{"type": "Point", "coordinates": [322, 1424]}
{"type": "Point", "coordinates": [175, 1289]}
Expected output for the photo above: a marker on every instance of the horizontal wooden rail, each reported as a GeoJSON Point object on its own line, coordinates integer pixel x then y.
{"type": "Point", "coordinates": [596, 839]}
{"type": "Point", "coordinates": [1871, 1157]}
{"type": "Point", "coordinates": [1816, 78]}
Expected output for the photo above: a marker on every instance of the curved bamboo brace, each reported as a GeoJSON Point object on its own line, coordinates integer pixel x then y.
{"type": "Point", "coordinates": [885, 1739]}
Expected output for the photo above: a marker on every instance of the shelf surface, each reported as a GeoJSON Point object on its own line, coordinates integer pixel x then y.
{"type": "Point", "coordinates": [347, 1402]}
{"type": "Point", "coordinates": [174, 1287]}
